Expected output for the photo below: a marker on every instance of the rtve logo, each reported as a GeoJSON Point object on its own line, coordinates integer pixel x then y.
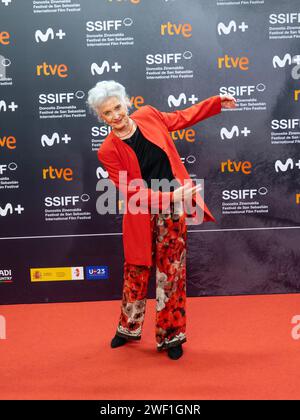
{"type": "Point", "coordinates": [4, 38]}
{"type": "Point", "coordinates": [60, 98]}
{"type": "Point", "coordinates": [12, 166]}
{"type": "Point", "coordinates": [65, 200]}
{"type": "Point", "coordinates": [182, 99]}
{"type": "Point", "coordinates": [8, 142]}
{"type": "Point", "coordinates": [232, 166]}
{"type": "Point", "coordinates": [55, 138]}
{"type": "Point", "coordinates": [234, 132]}
{"type": "Point", "coordinates": [107, 25]}
{"type": "Point", "coordinates": [167, 58]}
{"type": "Point", "coordinates": [40, 36]}
{"type": "Point", "coordinates": [57, 173]}
{"type": "Point", "coordinates": [232, 26]}
{"type": "Point", "coordinates": [243, 194]}
{"type": "Point", "coordinates": [105, 66]}
{"type": "Point", "coordinates": [47, 70]}
{"type": "Point", "coordinates": [288, 164]}
{"type": "Point", "coordinates": [4, 107]}
{"type": "Point", "coordinates": [188, 135]}
{"type": "Point", "coordinates": [229, 62]}
{"type": "Point", "coordinates": [242, 90]}
{"type": "Point", "coordinates": [173, 29]}
{"type": "Point", "coordinates": [8, 208]}
{"type": "Point", "coordinates": [297, 198]}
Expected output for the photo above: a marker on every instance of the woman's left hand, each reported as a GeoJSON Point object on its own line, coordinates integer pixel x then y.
{"type": "Point", "coordinates": [228, 101]}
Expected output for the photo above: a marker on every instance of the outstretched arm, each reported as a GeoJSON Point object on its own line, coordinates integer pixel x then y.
{"type": "Point", "coordinates": [187, 117]}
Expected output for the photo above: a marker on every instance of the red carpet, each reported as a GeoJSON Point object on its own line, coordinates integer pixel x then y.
{"type": "Point", "coordinates": [237, 348]}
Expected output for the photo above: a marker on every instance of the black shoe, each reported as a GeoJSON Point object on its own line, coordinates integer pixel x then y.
{"type": "Point", "coordinates": [175, 352]}
{"type": "Point", "coordinates": [118, 341]}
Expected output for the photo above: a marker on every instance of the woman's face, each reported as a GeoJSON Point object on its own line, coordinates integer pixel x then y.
{"type": "Point", "coordinates": [114, 113]}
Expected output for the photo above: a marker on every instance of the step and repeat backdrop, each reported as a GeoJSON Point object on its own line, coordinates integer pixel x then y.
{"type": "Point", "coordinates": [169, 54]}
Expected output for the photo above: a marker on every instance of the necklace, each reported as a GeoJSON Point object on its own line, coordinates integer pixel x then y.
{"type": "Point", "coordinates": [128, 132]}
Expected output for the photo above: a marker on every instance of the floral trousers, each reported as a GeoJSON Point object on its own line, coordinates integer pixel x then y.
{"type": "Point", "coordinates": [169, 256]}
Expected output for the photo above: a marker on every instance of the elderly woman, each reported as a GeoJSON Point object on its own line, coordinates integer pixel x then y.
{"type": "Point", "coordinates": [140, 144]}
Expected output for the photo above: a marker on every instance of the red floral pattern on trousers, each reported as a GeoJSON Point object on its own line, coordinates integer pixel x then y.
{"type": "Point", "coordinates": [169, 256]}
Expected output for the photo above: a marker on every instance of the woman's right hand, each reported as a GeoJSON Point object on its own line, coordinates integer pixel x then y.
{"type": "Point", "coordinates": [186, 192]}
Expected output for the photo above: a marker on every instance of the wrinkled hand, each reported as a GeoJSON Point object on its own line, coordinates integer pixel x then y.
{"type": "Point", "coordinates": [228, 101]}
{"type": "Point", "coordinates": [186, 192]}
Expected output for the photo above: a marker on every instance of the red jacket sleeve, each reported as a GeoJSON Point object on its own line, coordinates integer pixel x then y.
{"type": "Point", "coordinates": [187, 117]}
{"type": "Point", "coordinates": [149, 199]}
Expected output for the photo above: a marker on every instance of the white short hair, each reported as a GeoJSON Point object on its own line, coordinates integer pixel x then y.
{"type": "Point", "coordinates": [104, 90]}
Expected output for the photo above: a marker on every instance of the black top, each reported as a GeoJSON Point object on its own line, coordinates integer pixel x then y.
{"type": "Point", "coordinates": [154, 162]}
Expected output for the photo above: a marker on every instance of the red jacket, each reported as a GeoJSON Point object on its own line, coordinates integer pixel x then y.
{"type": "Point", "coordinates": [116, 155]}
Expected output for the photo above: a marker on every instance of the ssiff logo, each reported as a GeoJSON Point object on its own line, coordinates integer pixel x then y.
{"type": "Point", "coordinates": [246, 90]}
{"type": "Point", "coordinates": [60, 98]}
{"type": "Point", "coordinates": [2, 328]}
{"type": "Point", "coordinates": [167, 58]}
{"type": "Point", "coordinates": [108, 25]}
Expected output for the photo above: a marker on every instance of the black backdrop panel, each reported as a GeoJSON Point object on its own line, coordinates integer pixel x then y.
{"type": "Point", "coordinates": [170, 54]}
